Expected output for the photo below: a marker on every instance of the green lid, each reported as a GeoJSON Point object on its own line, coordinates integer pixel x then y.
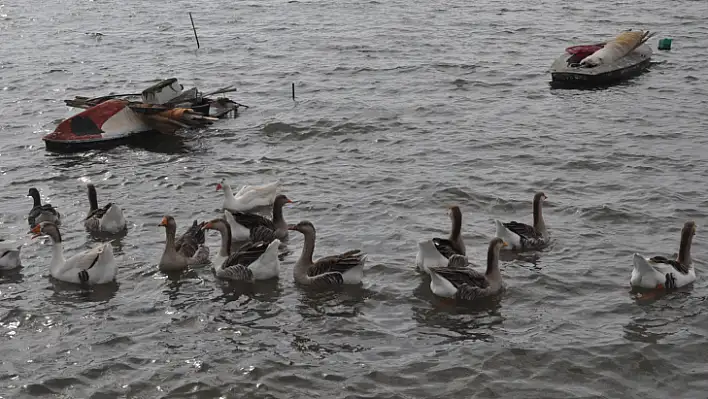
{"type": "Point", "coordinates": [665, 44]}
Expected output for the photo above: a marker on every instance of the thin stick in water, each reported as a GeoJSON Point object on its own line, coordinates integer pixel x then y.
{"type": "Point", "coordinates": [194, 29]}
{"type": "Point", "coordinates": [293, 91]}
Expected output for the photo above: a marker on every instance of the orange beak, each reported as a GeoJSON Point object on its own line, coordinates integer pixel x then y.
{"type": "Point", "coordinates": [37, 231]}
{"type": "Point", "coordinates": [207, 226]}
{"type": "Point", "coordinates": [289, 201]}
{"type": "Point", "coordinates": [219, 186]}
{"type": "Point", "coordinates": [163, 222]}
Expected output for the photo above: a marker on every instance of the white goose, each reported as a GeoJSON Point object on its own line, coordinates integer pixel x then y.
{"type": "Point", "coordinates": [251, 262]}
{"type": "Point", "coordinates": [9, 255]}
{"type": "Point", "coordinates": [520, 236]}
{"type": "Point", "coordinates": [90, 267]}
{"type": "Point", "coordinates": [663, 273]}
{"type": "Point", "coordinates": [248, 197]}
{"type": "Point", "coordinates": [108, 219]}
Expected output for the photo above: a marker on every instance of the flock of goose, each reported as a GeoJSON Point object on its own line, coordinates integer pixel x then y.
{"type": "Point", "coordinates": [252, 246]}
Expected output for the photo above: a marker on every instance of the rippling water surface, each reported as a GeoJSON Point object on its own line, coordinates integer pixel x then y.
{"type": "Point", "coordinates": [403, 108]}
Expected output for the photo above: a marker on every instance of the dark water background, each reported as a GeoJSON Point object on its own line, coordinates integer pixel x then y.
{"type": "Point", "coordinates": [402, 108]}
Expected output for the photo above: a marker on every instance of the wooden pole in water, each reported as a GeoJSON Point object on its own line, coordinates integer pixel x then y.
{"type": "Point", "coordinates": [293, 91]}
{"type": "Point", "coordinates": [194, 29]}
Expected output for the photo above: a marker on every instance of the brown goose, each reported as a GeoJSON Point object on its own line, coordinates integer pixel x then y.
{"type": "Point", "coordinates": [437, 251]}
{"type": "Point", "coordinates": [664, 273]}
{"type": "Point", "coordinates": [345, 268]}
{"type": "Point", "coordinates": [244, 225]}
{"type": "Point", "coordinates": [521, 236]}
{"type": "Point", "coordinates": [189, 249]}
{"type": "Point", "coordinates": [250, 262]}
{"type": "Point", "coordinates": [461, 282]}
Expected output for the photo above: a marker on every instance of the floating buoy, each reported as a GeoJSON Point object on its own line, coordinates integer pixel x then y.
{"type": "Point", "coordinates": [665, 44]}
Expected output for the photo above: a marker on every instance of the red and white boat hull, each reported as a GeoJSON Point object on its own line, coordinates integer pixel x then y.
{"type": "Point", "coordinates": [108, 121]}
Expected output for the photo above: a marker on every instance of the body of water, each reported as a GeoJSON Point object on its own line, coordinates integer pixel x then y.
{"type": "Point", "coordinates": [403, 108]}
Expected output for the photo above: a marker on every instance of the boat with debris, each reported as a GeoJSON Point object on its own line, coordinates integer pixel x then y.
{"type": "Point", "coordinates": [600, 64]}
{"type": "Point", "coordinates": [114, 119]}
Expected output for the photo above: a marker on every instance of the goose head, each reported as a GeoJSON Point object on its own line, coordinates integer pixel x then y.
{"type": "Point", "coordinates": [46, 229]}
{"type": "Point", "coordinates": [168, 222]}
{"type": "Point", "coordinates": [281, 200]}
{"type": "Point", "coordinates": [304, 227]}
{"type": "Point", "coordinates": [454, 213]}
{"type": "Point", "coordinates": [34, 193]}
{"type": "Point", "coordinates": [220, 185]}
{"type": "Point", "coordinates": [540, 196]}
{"type": "Point", "coordinates": [219, 224]}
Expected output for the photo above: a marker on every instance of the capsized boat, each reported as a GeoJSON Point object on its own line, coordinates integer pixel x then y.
{"type": "Point", "coordinates": [598, 64]}
{"type": "Point", "coordinates": [111, 120]}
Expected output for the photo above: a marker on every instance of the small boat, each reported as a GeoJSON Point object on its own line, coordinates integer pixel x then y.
{"type": "Point", "coordinates": [111, 120]}
{"type": "Point", "coordinates": [601, 64]}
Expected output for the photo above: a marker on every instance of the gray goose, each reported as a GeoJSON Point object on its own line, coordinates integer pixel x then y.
{"type": "Point", "coordinates": [667, 273]}
{"type": "Point", "coordinates": [437, 251]}
{"type": "Point", "coordinates": [250, 262]}
{"type": "Point", "coordinates": [188, 250]}
{"type": "Point", "coordinates": [458, 281]}
{"type": "Point", "coordinates": [335, 270]}
{"type": "Point", "coordinates": [522, 236]}
{"type": "Point", "coordinates": [261, 228]}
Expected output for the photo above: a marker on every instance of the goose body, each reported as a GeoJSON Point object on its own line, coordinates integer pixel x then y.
{"type": "Point", "coordinates": [90, 267]}
{"type": "Point", "coordinates": [108, 219]}
{"type": "Point", "coordinates": [9, 255]}
{"type": "Point", "coordinates": [437, 251]}
{"type": "Point", "coordinates": [242, 222]}
{"type": "Point", "coordinates": [248, 197]}
{"type": "Point", "coordinates": [186, 251]}
{"type": "Point", "coordinates": [664, 273]}
{"type": "Point", "coordinates": [41, 212]}
{"type": "Point", "coordinates": [458, 281]}
{"type": "Point", "coordinates": [239, 232]}
{"type": "Point", "coordinates": [335, 270]}
{"type": "Point", "coordinates": [520, 236]}
{"type": "Point", "coordinates": [251, 262]}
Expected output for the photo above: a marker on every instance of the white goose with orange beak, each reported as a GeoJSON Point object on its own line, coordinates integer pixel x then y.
{"type": "Point", "coordinates": [94, 266]}
{"type": "Point", "coordinates": [248, 197]}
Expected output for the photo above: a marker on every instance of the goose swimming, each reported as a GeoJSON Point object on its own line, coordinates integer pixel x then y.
{"type": "Point", "coordinates": [664, 273]}
{"type": "Point", "coordinates": [188, 250]}
{"type": "Point", "coordinates": [243, 224]}
{"type": "Point", "coordinates": [90, 267]}
{"type": "Point", "coordinates": [248, 197]}
{"type": "Point", "coordinates": [108, 219]}
{"type": "Point", "coordinates": [520, 236]}
{"type": "Point", "coordinates": [251, 262]}
{"type": "Point", "coordinates": [9, 255]}
{"type": "Point", "coordinates": [40, 213]}
{"type": "Point", "coordinates": [335, 270]}
{"type": "Point", "coordinates": [456, 280]}
{"type": "Point", "coordinates": [437, 251]}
